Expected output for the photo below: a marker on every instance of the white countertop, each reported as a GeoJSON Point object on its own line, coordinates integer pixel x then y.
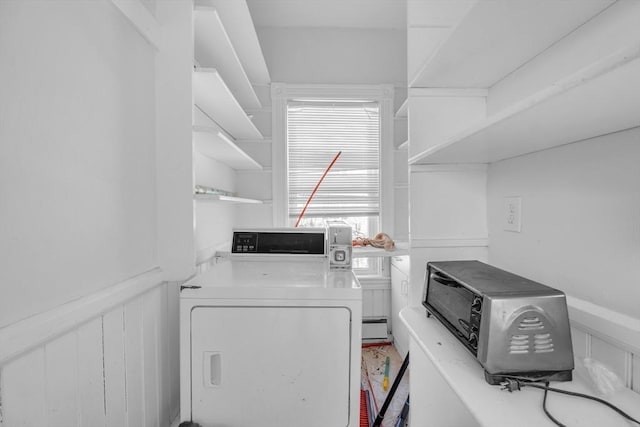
{"type": "Point", "coordinates": [493, 407]}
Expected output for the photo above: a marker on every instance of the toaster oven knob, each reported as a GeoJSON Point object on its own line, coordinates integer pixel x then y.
{"type": "Point", "coordinates": [476, 305]}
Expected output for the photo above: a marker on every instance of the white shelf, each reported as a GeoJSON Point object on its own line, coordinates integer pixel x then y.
{"type": "Point", "coordinates": [221, 198]}
{"type": "Point", "coordinates": [215, 143]}
{"type": "Point", "coordinates": [213, 48]}
{"type": "Point", "coordinates": [213, 97]}
{"type": "Point", "coordinates": [597, 100]}
{"type": "Point", "coordinates": [459, 372]}
{"type": "Point", "coordinates": [495, 37]}
{"type": "Point", "coordinates": [236, 18]}
{"type": "Point", "coordinates": [403, 110]}
{"type": "Point", "coordinates": [404, 145]}
{"type": "Point", "coordinates": [402, 248]}
{"type": "Point", "coordinates": [141, 19]}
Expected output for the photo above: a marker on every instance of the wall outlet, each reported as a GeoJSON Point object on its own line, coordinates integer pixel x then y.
{"type": "Point", "coordinates": [512, 214]}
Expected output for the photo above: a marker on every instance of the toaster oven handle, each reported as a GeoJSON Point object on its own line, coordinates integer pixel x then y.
{"type": "Point", "coordinates": [443, 280]}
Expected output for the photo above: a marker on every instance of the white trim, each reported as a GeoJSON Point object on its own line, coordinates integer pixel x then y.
{"type": "Point", "coordinates": [141, 19]}
{"type": "Point", "coordinates": [606, 324]}
{"type": "Point", "coordinates": [279, 154]}
{"type": "Point", "coordinates": [20, 337]}
{"type": "Point", "coordinates": [449, 242]}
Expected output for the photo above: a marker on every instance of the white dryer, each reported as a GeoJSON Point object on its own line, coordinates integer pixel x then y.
{"type": "Point", "coordinates": [272, 337]}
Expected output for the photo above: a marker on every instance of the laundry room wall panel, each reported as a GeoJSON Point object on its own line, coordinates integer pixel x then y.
{"type": "Point", "coordinates": [134, 362]}
{"type": "Point", "coordinates": [260, 216]}
{"type": "Point", "coordinates": [114, 368]}
{"type": "Point", "coordinates": [61, 368]}
{"type": "Point", "coordinates": [117, 368]}
{"type": "Point", "coordinates": [612, 357]}
{"type": "Point", "coordinates": [580, 219]}
{"type": "Point", "coordinates": [376, 298]}
{"type": "Point", "coordinates": [636, 373]}
{"type": "Point", "coordinates": [78, 113]}
{"type": "Point", "coordinates": [90, 374]}
{"type": "Point", "coordinates": [260, 151]}
{"type": "Point", "coordinates": [151, 358]}
{"type": "Point", "coordinates": [214, 220]}
{"type": "Point", "coordinates": [24, 390]}
{"type": "Point", "coordinates": [255, 184]}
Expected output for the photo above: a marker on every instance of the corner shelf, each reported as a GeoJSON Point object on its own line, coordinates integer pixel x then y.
{"type": "Point", "coordinates": [214, 98]}
{"type": "Point", "coordinates": [496, 37]}
{"type": "Point", "coordinates": [215, 143]}
{"type": "Point", "coordinates": [597, 100]}
{"type": "Point", "coordinates": [223, 198]}
{"type": "Point", "coordinates": [213, 48]}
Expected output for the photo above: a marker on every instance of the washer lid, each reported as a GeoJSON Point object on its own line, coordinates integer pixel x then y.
{"type": "Point", "coordinates": [290, 278]}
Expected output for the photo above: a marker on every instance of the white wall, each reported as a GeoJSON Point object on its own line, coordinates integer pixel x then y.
{"type": "Point", "coordinates": [334, 56]}
{"type": "Point", "coordinates": [580, 219]}
{"type": "Point", "coordinates": [95, 164]}
{"type": "Point", "coordinates": [77, 162]}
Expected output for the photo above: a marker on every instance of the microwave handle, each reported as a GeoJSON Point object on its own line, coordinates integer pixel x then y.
{"type": "Point", "coordinates": [445, 280]}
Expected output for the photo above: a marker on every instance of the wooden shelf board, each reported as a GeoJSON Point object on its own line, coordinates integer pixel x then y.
{"type": "Point", "coordinates": [213, 48]}
{"type": "Point", "coordinates": [403, 110]}
{"type": "Point", "coordinates": [597, 100]}
{"type": "Point", "coordinates": [213, 97]}
{"type": "Point", "coordinates": [141, 19]}
{"type": "Point", "coordinates": [221, 198]}
{"type": "Point", "coordinates": [236, 18]}
{"type": "Point", "coordinates": [213, 142]}
{"type": "Point", "coordinates": [496, 37]}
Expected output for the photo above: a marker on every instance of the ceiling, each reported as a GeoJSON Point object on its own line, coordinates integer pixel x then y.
{"type": "Point", "coordinates": [353, 14]}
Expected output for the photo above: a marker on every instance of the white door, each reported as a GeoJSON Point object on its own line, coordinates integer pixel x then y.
{"type": "Point", "coordinates": [270, 366]}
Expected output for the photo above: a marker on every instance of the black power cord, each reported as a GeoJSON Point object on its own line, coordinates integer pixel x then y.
{"type": "Point", "coordinates": [516, 383]}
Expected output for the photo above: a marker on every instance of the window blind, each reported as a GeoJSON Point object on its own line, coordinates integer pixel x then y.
{"type": "Point", "coordinates": [316, 132]}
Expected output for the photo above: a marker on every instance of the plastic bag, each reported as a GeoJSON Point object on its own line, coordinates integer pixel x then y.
{"type": "Point", "coordinates": [601, 377]}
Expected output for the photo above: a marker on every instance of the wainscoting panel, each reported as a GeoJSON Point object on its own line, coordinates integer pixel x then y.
{"type": "Point", "coordinates": [62, 380]}
{"type": "Point", "coordinates": [636, 373]}
{"type": "Point", "coordinates": [91, 374]}
{"type": "Point", "coordinates": [608, 338]}
{"type": "Point", "coordinates": [23, 391]}
{"type": "Point", "coordinates": [116, 368]}
{"type": "Point", "coordinates": [114, 372]}
{"type": "Point", "coordinates": [134, 361]}
{"type": "Point", "coordinates": [376, 298]}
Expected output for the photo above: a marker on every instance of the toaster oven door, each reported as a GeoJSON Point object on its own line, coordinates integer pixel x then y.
{"type": "Point", "coordinates": [452, 304]}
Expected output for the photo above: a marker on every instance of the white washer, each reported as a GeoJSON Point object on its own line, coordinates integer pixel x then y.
{"type": "Point", "coordinates": [271, 342]}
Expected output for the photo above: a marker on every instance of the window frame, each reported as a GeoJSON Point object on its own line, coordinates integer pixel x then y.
{"type": "Point", "coordinates": [282, 93]}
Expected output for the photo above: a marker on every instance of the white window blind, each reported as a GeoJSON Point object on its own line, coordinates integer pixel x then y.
{"type": "Point", "coordinates": [316, 132]}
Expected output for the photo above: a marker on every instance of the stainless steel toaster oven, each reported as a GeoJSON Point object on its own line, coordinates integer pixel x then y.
{"type": "Point", "coordinates": [512, 325]}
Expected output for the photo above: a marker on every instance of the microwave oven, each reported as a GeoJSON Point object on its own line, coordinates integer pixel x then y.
{"type": "Point", "coordinates": [512, 325]}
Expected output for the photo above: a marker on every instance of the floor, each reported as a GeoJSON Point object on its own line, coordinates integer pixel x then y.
{"type": "Point", "coordinates": [373, 367]}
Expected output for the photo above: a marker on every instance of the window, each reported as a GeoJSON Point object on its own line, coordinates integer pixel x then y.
{"type": "Point", "coordinates": [311, 125]}
{"type": "Point", "coordinates": [316, 133]}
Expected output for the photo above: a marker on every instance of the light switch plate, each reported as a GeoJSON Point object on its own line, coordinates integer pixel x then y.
{"type": "Point", "coordinates": [512, 214]}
